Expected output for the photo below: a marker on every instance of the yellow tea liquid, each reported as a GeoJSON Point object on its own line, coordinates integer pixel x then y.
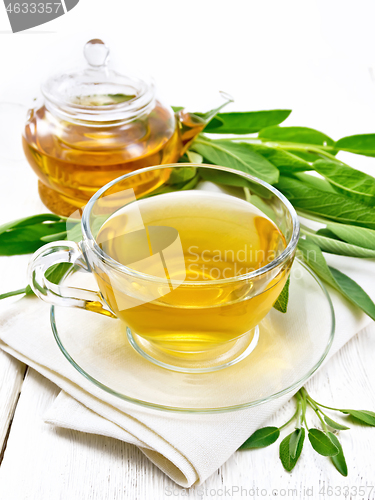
{"type": "Point", "coordinates": [73, 161]}
{"type": "Point", "coordinates": [221, 237]}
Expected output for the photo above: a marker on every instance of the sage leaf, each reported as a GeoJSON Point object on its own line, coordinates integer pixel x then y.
{"type": "Point", "coordinates": [182, 174]}
{"type": "Point", "coordinates": [338, 280]}
{"type": "Point", "coordinates": [333, 206]}
{"type": "Point", "coordinates": [360, 236]}
{"type": "Point", "coordinates": [166, 188]}
{"type": "Point", "coordinates": [339, 247]}
{"type": "Point", "coordinates": [286, 458]}
{"type": "Point", "coordinates": [363, 144]}
{"type": "Point", "coordinates": [74, 231]}
{"type": "Point", "coordinates": [285, 161]}
{"type": "Point", "coordinates": [295, 438]}
{"type": "Point", "coordinates": [315, 182]}
{"type": "Point", "coordinates": [338, 460]}
{"type": "Point", "coordinates": [54, 237]}
{"type": "Point", "coordinates": [58, 271]}
{"type": "Point", "coordinates": [353, 292]}
{"type": "Point", "coordinates": [366, 416]}
{"type": "Point", "coordinates": [348, 180]}
{"type": "Point", "coordinates": [246, 122]}
{"type": "Point", "coordinates": [322, 443]}
{"type": "Point", "coordinates": [193, 157]}
{"type": "Point", "coordinates": [335, 425]}
{"type": "Point", "coordinates": [258, 192]}
{"type": "Point", "coordinates": [261, 438]}
{"type": "Point", "coordinates": [222, 177]}
{"type": "Point", "coordinates": [299, 135]}
{"type": "Point", "coordinates": [30, 221]}
{"type": "Point", "coordinates": [281, 303]}
{"type": "Point", "coordinates": [324, 231]}
{"type": "Point", "coordinates": [23, 239]}
{"type": "Point", "coordinates": [237, 156]}
{"type": "Point", "coordinates": [189, 184]}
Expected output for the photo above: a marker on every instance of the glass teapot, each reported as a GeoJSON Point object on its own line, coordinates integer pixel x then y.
{"type": "Point", "coordinates": [96, 125]}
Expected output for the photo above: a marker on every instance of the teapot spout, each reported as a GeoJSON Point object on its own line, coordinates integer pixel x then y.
{"type": "Point", "coordinates": [191, 124]}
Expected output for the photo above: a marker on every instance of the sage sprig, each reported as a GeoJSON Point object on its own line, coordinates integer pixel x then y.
{"type": "Point", "coordinates": [26, 235]}
{"type": "Point", "coordinates": [324, 441]}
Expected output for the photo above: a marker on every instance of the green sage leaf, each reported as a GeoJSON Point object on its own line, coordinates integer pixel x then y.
{"type": "Point", "coordinates": [338, 460]}
{"type": "Point", "coordinates": [295, 438]}
{"type": "Point", "coordinates": [285, 161]}
{"type": "Point", "coordinates": [24, 239]}
{"type": "Point", "coordinates": [281, 303]}
{"type": "Point", "coordinates": [363, 144]}
{"type": "Point", "coordinates": [324, 231]}
{"type": "Point", "coordinates": [353, 292]}
{"type": "Point", "coordinates": [299, 135]}
{"type": "Point", "coordinates": [222, 177]}
{"type": "Point", "coordinates": [74, 231]}
{"type": "Point", "coordinates": [366, 416]}
{"type": "Point", "coordinates": [360, 236]}
{"type": "Point", "coordinates": [322, 443]}
{"type": "Point", "coordinates": [339, 247]}
{"type": "Point", "coordinates": [286, 458]}
{"type": "Point", "coordinates": [237, 156]}
{"type": "Point", "coordinates": [182, 174]}
{"type": "Point", "coordinates": [261, 438]}
{"type": "Point", "coordinates": [315, 182]}
{"type": "Point", "coordinates": [338, 280]}
{"type": "Point", "coordinates": [246, 122]}
{"type": "Point", "coordinates": [335, 425]}
{"type": "Point", "coordinates": [30, 221]}
{"type": "Point", "coordinates": [347, 180]}
{"type": "Point", "coordinates": [194, 157]}
{"type": "Point", "coordinates": [54, 237]}
{"type": "Point", "coordinates": [333, 206]}
{"type": "Point", "coordinates": [58, 271]}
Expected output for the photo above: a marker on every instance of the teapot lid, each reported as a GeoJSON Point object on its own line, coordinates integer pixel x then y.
{"type": "Point", "coordinates": [98, 94]}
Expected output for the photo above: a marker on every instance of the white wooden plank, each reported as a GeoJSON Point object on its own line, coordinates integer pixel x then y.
{"type": "Point", "coordinates": [41, 462]}
{"type": "Point", "coordinates": [11, 379]}
{"type": "Point", "coordinates": [44, 463]}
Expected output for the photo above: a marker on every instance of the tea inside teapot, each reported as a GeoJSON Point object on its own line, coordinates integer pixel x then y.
{"type": "Point", "coordinates": [96, 125]}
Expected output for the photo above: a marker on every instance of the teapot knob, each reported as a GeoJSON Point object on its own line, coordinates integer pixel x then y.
{"type": "Point", "coordinates": [96, 53]}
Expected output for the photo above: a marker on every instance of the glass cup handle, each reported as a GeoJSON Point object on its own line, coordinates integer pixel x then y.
{"type": "Point", "coordinates": [59, 252]}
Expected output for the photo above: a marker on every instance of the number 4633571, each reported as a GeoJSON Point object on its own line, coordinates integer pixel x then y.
{"type": "Point", "coordinates": [32, 8]}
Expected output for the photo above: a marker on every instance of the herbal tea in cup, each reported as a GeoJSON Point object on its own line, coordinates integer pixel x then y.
{"type": "Point", "coordinates": [189, 272]}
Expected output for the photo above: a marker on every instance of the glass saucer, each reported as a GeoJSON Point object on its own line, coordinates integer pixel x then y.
{"type": "Point", "coordinates": [290, 348]}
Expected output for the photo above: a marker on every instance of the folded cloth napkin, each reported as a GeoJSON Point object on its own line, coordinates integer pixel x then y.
{"type": "Point", "coordinates": [187, 447]}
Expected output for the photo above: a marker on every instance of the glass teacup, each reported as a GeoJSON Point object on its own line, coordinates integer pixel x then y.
{"type": "Point", "coordinates": [190, 268]}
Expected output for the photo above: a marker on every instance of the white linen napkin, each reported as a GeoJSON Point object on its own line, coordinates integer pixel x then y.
{"type": "Point", "coordinates": [187, 447]}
